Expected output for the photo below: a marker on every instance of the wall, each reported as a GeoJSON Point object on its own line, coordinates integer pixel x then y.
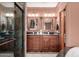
{"type": "Point", "coordinates": [59, 8]}
{"type": "Point", "coordinates": [41, 10]}
{"type": "Point", "coordinates": [72, 22]}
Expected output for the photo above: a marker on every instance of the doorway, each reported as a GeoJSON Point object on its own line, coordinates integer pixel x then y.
{"type": "Point", "coordinates": [62, 28]}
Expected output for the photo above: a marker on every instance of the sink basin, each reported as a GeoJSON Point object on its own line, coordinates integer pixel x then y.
{"type": "Point", "coordinates": [41, 33]}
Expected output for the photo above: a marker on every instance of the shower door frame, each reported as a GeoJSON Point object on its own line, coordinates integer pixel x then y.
{"type": "Point", "coordinates": [22, 54]}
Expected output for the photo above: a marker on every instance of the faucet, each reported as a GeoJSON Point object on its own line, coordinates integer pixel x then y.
{"type": "Point", "coordinates": [41, 32]}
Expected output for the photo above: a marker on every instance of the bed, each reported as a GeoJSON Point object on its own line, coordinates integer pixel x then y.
{"type": "Point", "coordinates": [69, 52]}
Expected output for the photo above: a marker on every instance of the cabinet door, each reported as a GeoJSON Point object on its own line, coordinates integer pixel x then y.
{"type": "Point", "coordinates": [41, 43]}
{"type": "Point", "coordinates": [53, 46]}
{"type": "Point", "coordinates": [33, 44]}
{"type": "Point", "coordinates": [30, 43]}
{"type": "Point", "coordinates": [45, 43]}
{"type": "Point", "coordinates": [36, 44]}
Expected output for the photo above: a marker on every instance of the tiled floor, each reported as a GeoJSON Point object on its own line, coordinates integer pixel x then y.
{"type": "Point", "coordinates": [31, 54]}
{"type": "Point", "coordinates": [42, 54]}
{"type": "Point", "coordinates": [7, 54]}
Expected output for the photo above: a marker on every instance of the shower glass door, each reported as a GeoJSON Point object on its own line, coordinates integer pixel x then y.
{"type": "Point", "coordinates": [19, 43]}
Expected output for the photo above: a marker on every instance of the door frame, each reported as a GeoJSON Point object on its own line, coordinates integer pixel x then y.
{"type": "Point", "coordinates": [62, 30]}
{"type": "Point", "coordinates": [23, 51]}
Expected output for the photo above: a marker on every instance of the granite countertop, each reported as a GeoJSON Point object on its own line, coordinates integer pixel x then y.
{"type": "Point", "coordinates": [42, 33]}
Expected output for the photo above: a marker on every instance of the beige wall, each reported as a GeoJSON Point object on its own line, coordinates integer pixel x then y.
{"type": "Point", "coordinates": [59, 8]}
{"type": "Point", "coordinates": [41, 10]}
{"type": "Point", "coordinates": [72, 23]}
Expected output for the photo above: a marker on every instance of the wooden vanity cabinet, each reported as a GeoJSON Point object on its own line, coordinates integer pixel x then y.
{"type": "Point", "coordinates": [50, 43]}
{"type": "Point", "coordinates": [33, 43]}
{"type": "Point", "coordinates": [53, 43]}
{"type": "Point", "coordinates": [45, 43]}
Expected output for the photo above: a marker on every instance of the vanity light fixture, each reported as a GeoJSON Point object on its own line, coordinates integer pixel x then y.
{"type": "Point", "coordinates": [33, 15]}
{"type": "Point", "coordinates": [36, 15]}
{"type": "Point", "coordinates": [49, 15]}
{"type": "Point", "coordinates": [9, 14]}
{"type": "Point", "coordinates": [45, 15]}
{"type": "Point", "coordinates": [29, 15]}
{"type": "Point", "coordinates": [53, 14]}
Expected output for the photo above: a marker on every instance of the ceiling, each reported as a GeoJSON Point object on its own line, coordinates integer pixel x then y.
{"type": "Point", "coordinates": [32, 4]}
{"type": "Point", "coordinates": [7, 4]}
{"type": "Point", "coordinates": [42, 4]}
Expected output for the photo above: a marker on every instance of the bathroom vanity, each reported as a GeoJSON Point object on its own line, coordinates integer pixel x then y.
{"type": "Point", "coordinates": [42, 32]}
{"type": "Point", "coordinates": [42, 35]}
{"type": "Point", "coordinates": [45, 42]}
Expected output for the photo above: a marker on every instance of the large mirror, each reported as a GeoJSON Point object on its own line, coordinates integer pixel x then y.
{"type": "Point", "coordinates": [6, 20]}
{"type": "Point", "coordinates": [47, 23]}
{"type": "Point", "coordinates": [32, 23]}
{"type": "Point", "coordinates": [7, 28]}
{"type": "Point", "coordinates": [50, 24]}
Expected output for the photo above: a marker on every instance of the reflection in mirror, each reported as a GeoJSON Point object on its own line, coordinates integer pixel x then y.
{"type": "Point", "coordinates": [7, 21]}
{"type": "Point", "coordinates": [48, 25]}
{"type": "Point", "coordinates": [7, 28]}
{"type": "Point", "coordinates": [32, 24]}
